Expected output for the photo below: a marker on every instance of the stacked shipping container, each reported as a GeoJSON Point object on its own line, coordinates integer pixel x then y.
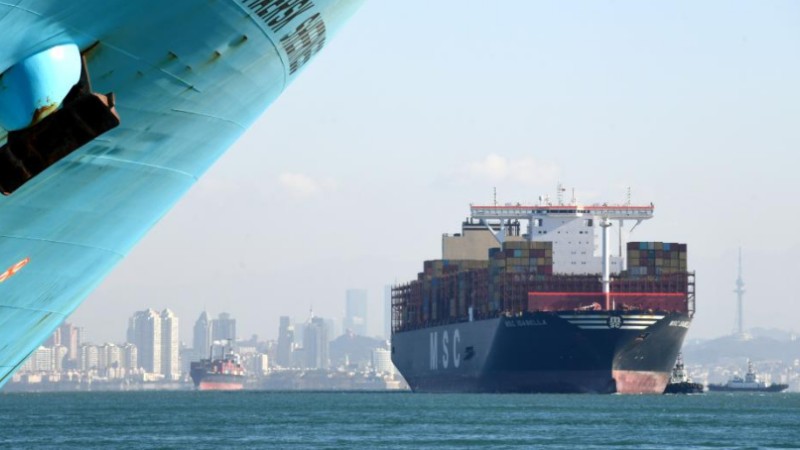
{"type": "Point", "coordinates": [518, 277]}
{"type": "Point", "coordinates": [656, 258]}
{"type": "Point", "coordinates": [512, 268]}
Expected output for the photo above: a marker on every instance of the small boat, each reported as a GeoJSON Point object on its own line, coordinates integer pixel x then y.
{"type": "Point", "coordinates": [750, 383]}
{"type": "Point", "coordinates": [679, 381]}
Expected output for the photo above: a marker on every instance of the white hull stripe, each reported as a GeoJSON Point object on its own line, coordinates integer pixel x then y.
{"type": "Point", "coordinates": [592, 317]}
{"type": "Point", "coordinates": [625, 322]}
{"type": "Point", "coordinates": [624, 316]}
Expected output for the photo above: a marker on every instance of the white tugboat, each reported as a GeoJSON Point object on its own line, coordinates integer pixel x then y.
{"type": "Point", "coordinates": [750, 383]}
{"type": "Point", "coordinates": [680, 382]}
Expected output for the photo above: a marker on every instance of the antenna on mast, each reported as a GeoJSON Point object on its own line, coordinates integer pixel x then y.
{"type": "Point", "coordinates": [495, 196]}
{"type": "Point", "coordinates": [628, 197]}
{"type": "Point", "coordinates": [560, 193]}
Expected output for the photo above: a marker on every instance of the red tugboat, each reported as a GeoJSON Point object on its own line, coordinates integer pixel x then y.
{"type": "Point", "coordinates": [221, 374]}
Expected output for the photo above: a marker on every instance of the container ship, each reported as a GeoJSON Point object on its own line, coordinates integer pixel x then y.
{"type": "Point", "coordinates": [224, 373]}
{"type": "Point", "coordinates": [525, 300]}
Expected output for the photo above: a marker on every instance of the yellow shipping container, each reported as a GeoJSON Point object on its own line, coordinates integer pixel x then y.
{"type": "Point", "coordinates": [515, 245]}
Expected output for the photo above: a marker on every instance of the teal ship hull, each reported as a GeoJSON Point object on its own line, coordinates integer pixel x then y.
{"type": "Point", "coordinates": [188, 78]}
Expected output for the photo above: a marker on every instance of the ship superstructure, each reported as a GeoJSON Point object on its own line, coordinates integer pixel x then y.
{"type": "Point", "coordinates": [529, 298]}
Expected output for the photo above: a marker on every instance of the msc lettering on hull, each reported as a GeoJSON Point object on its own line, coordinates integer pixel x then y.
{"type": "Point", "coordinates": [305, 42]}
{"type": "Point", "coordinates": [278, 13]}
{"type": "Point", "coordinates": [300, 44]}
{"type": "Point", "coordinates": [441, 353]}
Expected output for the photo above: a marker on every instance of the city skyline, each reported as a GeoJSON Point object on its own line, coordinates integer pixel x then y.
{"type": "Point", "coordinates": [345, 362]}
{"type": "Point", "coordinates": [157, 334]}
{"type": "Point", "coordinates": [226, 324]}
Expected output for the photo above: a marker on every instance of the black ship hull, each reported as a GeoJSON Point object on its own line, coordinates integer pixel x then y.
{"type": "Point", "coordinates": [553, 352]}
{"type": "Point", "coordinates": [684, 387]}
{"type": "Point", "coordinates": [770, 388]}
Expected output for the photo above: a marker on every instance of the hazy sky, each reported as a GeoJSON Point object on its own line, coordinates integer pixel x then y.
{"type": "Point", "coordinates": [419, 108]}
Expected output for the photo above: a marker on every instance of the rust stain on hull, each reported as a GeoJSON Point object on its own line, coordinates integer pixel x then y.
{"type": "Point", "coordinates": [640, 382]}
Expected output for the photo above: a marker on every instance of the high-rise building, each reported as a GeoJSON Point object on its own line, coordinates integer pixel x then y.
{"type": "Point", "coordinates": [54, 339]}
{"type": "Point", "coordinates": [315, 344]}
{"type": "Point", "coordinates": [144, 331]}
{"type": "Point", "coordinates": [201, 344]}
{"type": "Point", "coordinates": [260, 365]}
{"type": "Point", "coordinates": [382, 361]}
{"type": "Point", "coordinates": [170, 346]}
{"type": "Point", "coordinates": [285, 342]}
{"type": "Point", "coordinates": [109, 356]}
{"type": "Point", "coordinates": [299, 330]}
{"type": "Point", "coordinates": [59, 355]}
{"type": "Point", "coordinates": [130, 356]}
{"type": "Point", "coordinates": [187, 356]}
{"type": "Point", "coordinates": [333, 329]}
{"type": "Point", "coordinates": [42, 359]}
{"type": "Point", "coordinates": [223, 327]}
{"type": "Point", "coordinates": [355, 318]}
{"type": "Point", "coordinates": [88, 357]}
{"type": "Point", "coordinates": [69, 336]}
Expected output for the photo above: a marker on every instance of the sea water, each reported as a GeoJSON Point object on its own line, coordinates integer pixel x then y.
{"type": "Point", "coordinates": [216, 420]}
